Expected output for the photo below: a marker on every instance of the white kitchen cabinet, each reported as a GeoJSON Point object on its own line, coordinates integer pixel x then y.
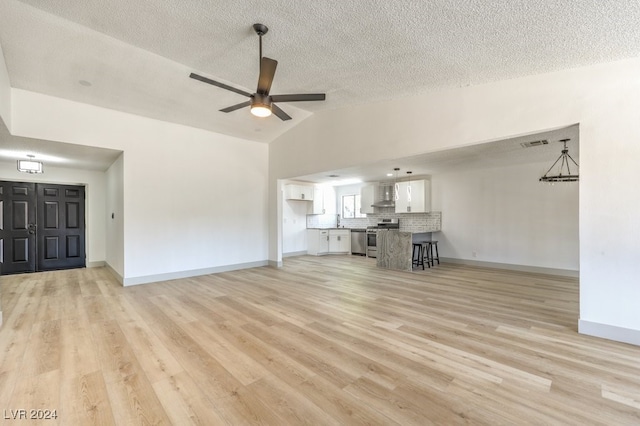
{"type": "Point", "coordinates": [317, 241]}
{"type": "Point", "coordinates": [324, 199]}
{"type": "Point", "coordinates": [339, 241]}
{"type": "Point", "coordinates": [367, 198]}
{"type": "Point", "coordinates": [293, 191]}
{"type": "Point", "coordinates": [328, 241]}
{"type": "Point", "coordinates": [413, 196]}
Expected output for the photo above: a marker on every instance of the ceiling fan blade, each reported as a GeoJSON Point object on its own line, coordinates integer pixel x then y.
{"type": "Point", "coordinates": [221, 85]}
{"type": "Point", "coordinates": [279, 113]}
{"type": "Point", "coordinates": [299, 98]}
{"type": "Point", "coordinates": [267, 71]}
{"type": "Point", "coordinates": [236, 106]}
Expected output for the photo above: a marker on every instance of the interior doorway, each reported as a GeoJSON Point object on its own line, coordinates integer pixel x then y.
{"type": "Point", "coordinates": [42, 227]}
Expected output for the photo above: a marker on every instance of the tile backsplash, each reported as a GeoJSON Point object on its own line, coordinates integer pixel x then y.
{"type": "Point", "coordinates": [409, 222]}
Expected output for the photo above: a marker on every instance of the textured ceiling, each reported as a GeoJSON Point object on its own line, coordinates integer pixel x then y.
{"type": "Point", "coordinates": [137, 55]}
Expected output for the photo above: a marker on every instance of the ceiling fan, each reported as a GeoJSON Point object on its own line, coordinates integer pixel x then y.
{"type": "Point", "coordinates": [262, 104]}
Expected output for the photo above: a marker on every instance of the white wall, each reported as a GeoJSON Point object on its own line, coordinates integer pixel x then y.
{"type": "Point", "coordinates": [504, 215]}
{"type": "Point", "coordinates": [5, 93]}
{"type": "Point", "coordinates": [95, 212]}
{"type": "Point", "coordinates": [115, 216]}
{"type": "Point", "coordinates": [294, 226]}
{"type": "Point", "coordinates": [604, 99]}
{"type": "Point", "coordinates": [194, 201]}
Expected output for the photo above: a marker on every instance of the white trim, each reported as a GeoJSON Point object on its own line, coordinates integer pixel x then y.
{"type": "Point", "coordinates": [275, 263]}
{"type": "Point", "coordinates": [294, 253]}
{"type": "Point", "coordinates": [114, 273]}
{"type": "Point", "coordinates": [610, 332]}
{"type": "Point", "coordinates": [523, 268]}
{"type": "Point", "coordinates": [97, 264]}
{"type": "Point", "coordinates": [192, 273]}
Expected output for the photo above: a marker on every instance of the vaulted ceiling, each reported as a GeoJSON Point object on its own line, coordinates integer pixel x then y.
{"type": "Point", "coordinates": [136, 56]}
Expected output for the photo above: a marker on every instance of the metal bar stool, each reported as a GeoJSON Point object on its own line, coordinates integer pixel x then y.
{"type": "Point", "coordinates": [417, 256]}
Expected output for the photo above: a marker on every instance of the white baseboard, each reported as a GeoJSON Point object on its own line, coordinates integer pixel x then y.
{"type": "Point", "coordinates": [294, 253]}
{"type": "Point", "coordinates": [512, 267]}
{"type": "Point", "coordinates": [114, 273]}
{"type": "Point", "coordinates": [275, 263]}
{"type": "Point", "coordinates": [610, 332]}
{"type": "Point", "coordinates": [98, 264]}
{"type": "Point", "coordinates": [191, 273]}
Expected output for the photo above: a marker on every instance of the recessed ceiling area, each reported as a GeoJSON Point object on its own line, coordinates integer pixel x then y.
{"type": "Point", "coordinates": [54, 154]}
{"type": "Point", "coordinates": [500, 153]}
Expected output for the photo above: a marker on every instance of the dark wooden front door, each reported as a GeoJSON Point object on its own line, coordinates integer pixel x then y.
{"type": "Point", "coordinates": [17, 227]}
{"type": "Point", "coordinates": [42, 227]}
{"type": "Point", "coordinates": [60, 232]}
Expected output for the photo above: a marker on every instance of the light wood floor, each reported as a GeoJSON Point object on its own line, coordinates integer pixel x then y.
{"type": "Point", "coordinates": [322, 341]}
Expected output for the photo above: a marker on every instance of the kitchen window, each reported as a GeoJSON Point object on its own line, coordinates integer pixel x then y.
{"type": "Point", "coordinates": [351, 207]}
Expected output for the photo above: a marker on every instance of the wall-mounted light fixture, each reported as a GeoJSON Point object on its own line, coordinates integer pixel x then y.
{"type": "Point", "coordinates": [30, 165]}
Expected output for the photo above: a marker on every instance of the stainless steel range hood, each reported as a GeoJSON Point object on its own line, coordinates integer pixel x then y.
{"type": "Point", "coordinates": [386, 191]}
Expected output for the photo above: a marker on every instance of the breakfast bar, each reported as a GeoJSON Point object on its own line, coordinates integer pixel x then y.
{"type": "Point", "coordinates": [395, 248]}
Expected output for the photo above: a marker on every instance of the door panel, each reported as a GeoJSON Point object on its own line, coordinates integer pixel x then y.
{"type": "Point", "coordinates": [17, 227]}
{"type": "Point", "coordinates": [61, 239]}
{"type": "Point", "coordinates": [41, 227]}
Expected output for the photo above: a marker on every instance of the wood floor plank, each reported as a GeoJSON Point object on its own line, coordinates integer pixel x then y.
{"type": "Point", "coordinates": [85, 401]}
{"type": "Point", "coordinates": [35, 395]}
{"type": "Point", "coordinates": [185, 402]}
{"type": "Point", "coordinates": [322, 340]}
{"type": "Point", "coordinates": [289, 405]}
{"type": "Point", "coordinates": [131, 395]}
{"type": "Point", "coordinates": [43, 350]}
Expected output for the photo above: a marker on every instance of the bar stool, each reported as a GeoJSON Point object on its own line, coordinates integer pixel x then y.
{"type": "Point", "coordinates": [427, 254]}
{"type": "Point", "coordinates": [417, 256]}
{"type": "Point", "coordinates": [434, 244]}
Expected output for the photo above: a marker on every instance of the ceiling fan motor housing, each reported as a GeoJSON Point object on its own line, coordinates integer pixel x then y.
{"type": "Point", "coordinates": [258, 99]}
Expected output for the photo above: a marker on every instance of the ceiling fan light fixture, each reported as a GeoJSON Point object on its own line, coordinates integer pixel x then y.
{"type": "Point", "coordinates": [260, 105]}
{"type": "Point", "coordinates": [260, 110]}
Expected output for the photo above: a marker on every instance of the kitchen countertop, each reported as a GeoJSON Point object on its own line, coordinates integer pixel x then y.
{"type": "Point", "coordinates": [341, 229]}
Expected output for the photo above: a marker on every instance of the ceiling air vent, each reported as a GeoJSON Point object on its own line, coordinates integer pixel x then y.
{"type": "Point", "coordinates": [534, 143]}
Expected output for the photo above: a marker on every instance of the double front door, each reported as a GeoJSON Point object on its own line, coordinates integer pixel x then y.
{"type": "Point", "coordinates": [41, 227]}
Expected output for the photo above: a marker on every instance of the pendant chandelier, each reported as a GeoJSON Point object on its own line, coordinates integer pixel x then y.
{"type": "Point", "coordinates": [564, 169]}
{"type": "Point", "coordinates": [396, 189]}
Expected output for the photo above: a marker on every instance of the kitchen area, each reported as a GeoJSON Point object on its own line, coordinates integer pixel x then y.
{"type": "Point", "coordinates": [499, 213]}
{"type": "Point", "coordinates": [348, 219]}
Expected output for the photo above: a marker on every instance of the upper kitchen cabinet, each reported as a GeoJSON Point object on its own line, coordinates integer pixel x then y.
{"type": "Point", "coordinates": [413, 196]}
{"type": "Point", "coordinates": [324, 199]}
{"type": "Point", "coordinates": [367, 198]}
{"type": "Point", "coordinates": [296, 191]}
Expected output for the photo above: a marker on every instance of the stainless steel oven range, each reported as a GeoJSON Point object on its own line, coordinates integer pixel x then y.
{"type": "Point", "coordinates": [372, 234]}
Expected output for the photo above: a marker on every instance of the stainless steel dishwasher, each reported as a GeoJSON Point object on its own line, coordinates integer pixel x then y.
{"type": "Point", "coordinates": [359, 241]}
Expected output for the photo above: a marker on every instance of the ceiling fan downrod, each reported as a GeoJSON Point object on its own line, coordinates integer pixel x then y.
{"type": "Point", "coordinates": [261, 30]}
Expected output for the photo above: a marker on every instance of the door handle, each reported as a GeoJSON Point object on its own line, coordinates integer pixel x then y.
{"type": "Point", "coordinates": [31, 228]}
